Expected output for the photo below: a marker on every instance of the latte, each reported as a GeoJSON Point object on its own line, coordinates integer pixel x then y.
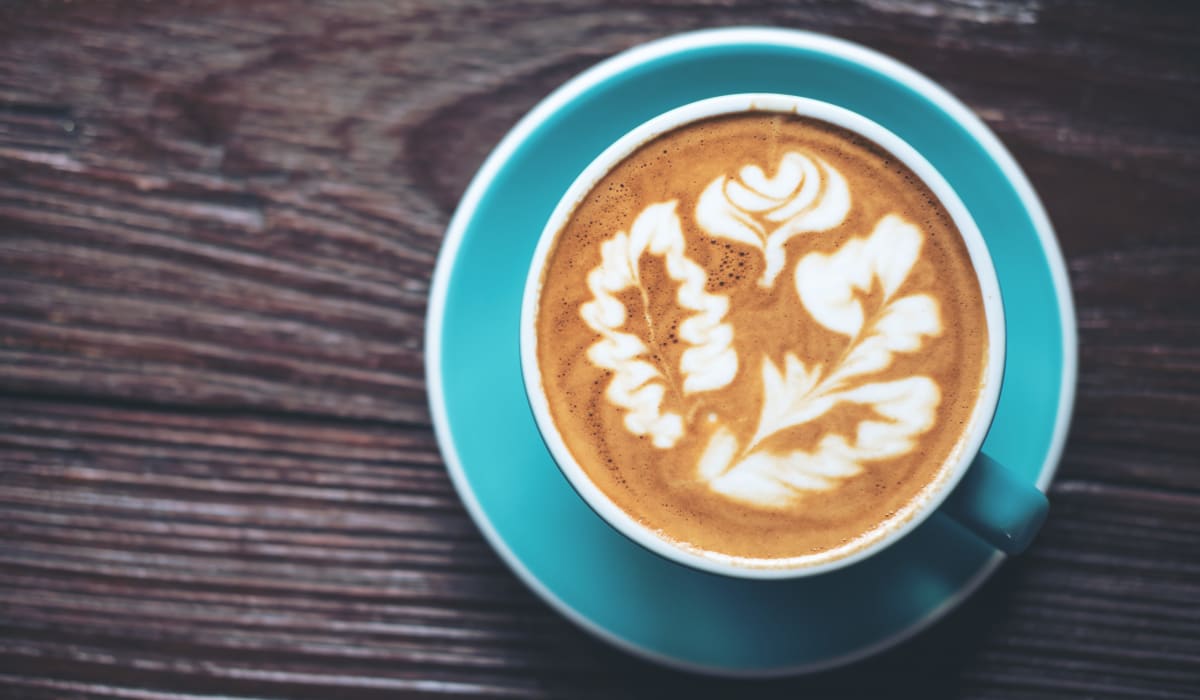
{"type": "Point", "coordinates": [761, 336]}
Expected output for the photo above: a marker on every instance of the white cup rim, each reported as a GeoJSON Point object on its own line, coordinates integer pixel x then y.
{"type": "Point", "coordinates": [931, 495]}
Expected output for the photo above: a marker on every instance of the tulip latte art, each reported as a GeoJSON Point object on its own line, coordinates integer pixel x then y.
{"type": "Point", "coordinates": [761, 336]}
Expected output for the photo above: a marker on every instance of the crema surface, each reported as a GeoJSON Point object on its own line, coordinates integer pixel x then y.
{"type": "Point", "coordinates": [762, 337]}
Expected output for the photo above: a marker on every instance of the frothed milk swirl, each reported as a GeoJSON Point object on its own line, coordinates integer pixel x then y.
{"type": "Point", "coordinates": [761, 336]}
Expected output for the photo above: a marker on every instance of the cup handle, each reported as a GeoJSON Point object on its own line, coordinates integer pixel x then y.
{"type": "Point", "coordinates": [999, 508]}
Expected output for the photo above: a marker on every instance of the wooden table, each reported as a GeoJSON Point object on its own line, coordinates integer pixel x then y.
{"type": "Point", "coordinates": [218, 222]}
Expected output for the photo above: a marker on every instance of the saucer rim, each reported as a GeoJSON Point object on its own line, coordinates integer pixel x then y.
{"type": "Point", "coordinates": [628, 60]}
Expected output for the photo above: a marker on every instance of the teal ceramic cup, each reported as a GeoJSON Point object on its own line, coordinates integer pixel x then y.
{"type": "Point", "coordinates": [973, 489]}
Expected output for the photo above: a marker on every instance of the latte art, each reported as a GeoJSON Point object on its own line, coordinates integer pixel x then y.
{"type": "Point", "coordinates": [636, 385]}
{"type": "Point", "coordinates": [761, 337]}
{"type": "Point", "coordinates": [801, 394]}
{"type": "Point", "coordinates": [805, 195]}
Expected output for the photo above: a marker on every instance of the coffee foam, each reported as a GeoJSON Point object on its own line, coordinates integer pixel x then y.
{"type": "Point", "coordinates": [805, 195]}
{"type": "Point", "coordinates": [740, 411]}
{"type": "Point", "coordinates": [708, 363]}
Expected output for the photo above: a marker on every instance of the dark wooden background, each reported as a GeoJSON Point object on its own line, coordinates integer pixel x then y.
{"type": "Point", "coordinates": [218, 222]}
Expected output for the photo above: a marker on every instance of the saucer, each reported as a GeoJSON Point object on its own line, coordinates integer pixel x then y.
{"type": "Point", "coordinates": [564, 552]}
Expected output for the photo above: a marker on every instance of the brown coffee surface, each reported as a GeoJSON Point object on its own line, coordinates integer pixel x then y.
{"type": "Point", "coordinates": [759, 501]}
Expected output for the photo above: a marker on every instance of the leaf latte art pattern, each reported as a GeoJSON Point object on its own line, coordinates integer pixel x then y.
{"type": "Point", "coordinates": [637, 385]}
{"type": "Point", "coordinates": [797, 395]}
{"type": "Point", "coordinates": [853, 292]}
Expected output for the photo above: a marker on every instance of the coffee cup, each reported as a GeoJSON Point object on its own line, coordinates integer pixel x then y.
{"type": "Point", "coordinates": [762, 337]}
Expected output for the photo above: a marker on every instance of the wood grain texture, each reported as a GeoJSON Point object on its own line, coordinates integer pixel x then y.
{"type": "Point", "coordinates": [218, 222]}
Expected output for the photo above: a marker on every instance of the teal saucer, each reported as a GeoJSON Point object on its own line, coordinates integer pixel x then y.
{"type": "Point", "coordinates": [551, 539]}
